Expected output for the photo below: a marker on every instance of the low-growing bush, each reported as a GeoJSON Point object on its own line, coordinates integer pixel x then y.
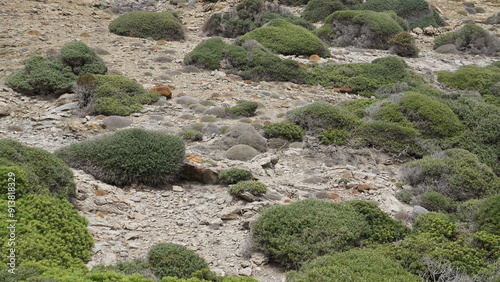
{"type": "Point", "coordinates": [418, 13]}
{"type": "Point", "coordinates": [381, 227]}
{"type": "Point", "coordinates": [127, 156]}
{"type": "Point", "coordinates": [471, 39]}
{"type": "Point", "coordinates": [36, 171]}
{"type": "Point", "coordinates": [48, 230]}
{"type": "Point", "coordinates": [318, 10]}
{"type": "Point", "coordinates": [455, 173]}
{"type": "Point", "coordinates": [318, 116]}
{"type": "Point", "coordinates": [158, 25]}
{"type": "Point", "coordinates": [167, 259]}
{"type": "Point", "coordinates": [435, 201]}
{"type": "Point", "coordinates": [403, 44]}
{"type": "Point", "coordinates": [358, 107]}
{"type": "Point", "coordinates": [253, 187]}
{"type": "Point", "coordinates": [287, 131]}
{"type": "Point", "coordinates": [365, 29]}
{"type": "Point", "coordinates": [488, 215]}
{"type": "Point", "coordinates": [353, 265]}
{"type": "Point", "coordinates": [335, 136]}
{"type": "Point", "coordinates": [485, 80]}
{"type": "Point", "coordinates": [245, 109]}
{"type": "Point", "coordinates": [285, 38]}
{"type": "Point", "coordinates": [436, 224]}
{"type": "Point", "coordinates": [247, 16]}
{"type": "Point", "coordinates": [234, 175]}
{"type": "Point", "coordinates": [295, 233]}
{"type": "Point", "coordinates": [112, 94]}
{"type": "Point", "coordinates": [191, 135]}
{"type": "Point", "coordinates": [56, 75]}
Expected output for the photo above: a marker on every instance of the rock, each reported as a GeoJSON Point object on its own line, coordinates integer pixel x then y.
{"type": "Point", "coordinates": [65, 99]}
{"type": "Point", "coordinates": [247, 271]}
{"type": "Point", "coordinates": [416, 211]}
{"type": "Point", "coordinates": [314, 58]}
{"type": "Point", "coordinates": [163, 90]}
{"type": "Point", "coordinates": [132, 235]}
{"type": "Point", "coordinates": [241, 153]}
{"type": "Point", "coordinates": [230, 213]}
{"type": "Point", "coordinates": [245, 134]}
{"type": "Point", "coordinates": [259, 258]}
{"type": "Point", "coordinates": [418, 31]}
{"type": "Point", "coordinates": [211, 129]}
{"type": "Point", "coordinates": [219, 112]}
{"type": "Point", "coordinates": [115, 122]}
{"type": "Point", "coordinates": [199, 169]}
{"type": "Point", "coordinates": [266, 160]}
{"type": "Point", "coordinates": [4, 109]}
{"type": "Point", "coordinates": [447, 49]}
{"type": "Point", "coordinates": [177, 188]}
{"type": "Point", "coordinates": [187, 100]}
{"type": "Point", "coordinates": [430, 30]}
{"type": "Point", "coordinates": [314, 180]}
{"type": "Point", "coordinates": [247, 196]}
{"type": "Point", "coordinates": [273, 196]}
{"type": "Point", "coordinates": [65, 107]}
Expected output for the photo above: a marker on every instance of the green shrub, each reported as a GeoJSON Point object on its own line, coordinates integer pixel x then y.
{"type": "Point", "coordinates": [287, 131]}
{"type": "Point", "coordinates": [432, 117]}
{"type": "Point", "coordinates": [365, 29]}
{"type": "Point", "coordinates": [157, 25]}
{"type": "Point", "coordinates": [381, 227]}
{"type": "Point", "coordinates": [288, 39]}
{"type": "Point", "coordinates": [295, 233]}
{"type": "Point", "coordinates": [13, 181]}
{"type": "Point", "coordinates": [47, 229]}
{"type": "Point", "coordinates": [253, 187]}
{"type": "Point", "coordinates": [318, 10]}
{"type": "Point", "coordinates": [82, 59]}
{"type": "Point", "coordinates": [140, 266]}
{"type": "Point", "coordinates": [191, 135]}
{"type": "Point", "coordinates": [455, 173]}
{"type": "Point", "coordinates": [392, 112]}
{"type": "Point", "coordinates": [353, 265]}
{"type": "Point", "coordinates": [55, 76]}
{"type": "Point", "coordinates": [471, 39]}
{"type": "Point", "coordinates": [167, 259]}
{"type": "Point", "coordinates": [319, 116]}
{"type": "Point", "coordinates": [127, 156]}
{"type": "Point", "coordinates": [403, 44]}
{"type": "Point", "coordinates": [234, 175]}
{"type": "Point", "coordinates": [293, 2]}
{"type": "Point", "coordinates": [246, 109]}
{"type": "Point", "coordinates": [485, 80]}
{"type": "Point", "coordinates": [418, 13]}
{"type": "Point", "coordinates": [112, 94]}
{"type": "Point", "coordinates": [208, 54]}
{"type": "Point", "coordinates": [488, 242]}
{"type": "Point", "coordinates": [247, 16]}
{"type": "Point", "coordinates": [488, 215]}
{"type": "Point", "coordinates": [436, 224]}
{"type": "Point", "coordinates": [363, 78]}
{"type": "Point", "coordinates": [435, 201]}
{"type": "Point", "coordinates": [390, 137]}
{"type": "Point", "coordinates": [423, 253]}
{"type": "Point", "coordinates": [335, 136]}
{"type": "Point", "coordinates": [358, 106]}
{"type": "Point", "coordinates": [37, 171]}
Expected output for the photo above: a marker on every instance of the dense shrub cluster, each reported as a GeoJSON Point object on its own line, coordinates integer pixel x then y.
{"type": "Point", "coordinates": [353, 265]}
{"type": "Point", "coordinates": [56, 75]}
{"type": "Point", "coordinates": [245, 109]}
{"type": "Point", "coordinates": [471, 39]}
{"type": "Point", "coordinates": [48, 230]}
{"type": "Point", "coordinates": [247, 16]}
{"type": "Point", "coordinates": [287, 131]}
{"type": "Point", "coordinates": [167, 259]}
{"type": "Point", "coordinates": [365, 29]}
{"type": "Point", "coordinates": [403, 44]}
{"type": "Point", "coordinates": [191, 135]}
{"type": "Point", "coordinates": [127, 156]}
{"type": "Point", "coordinates": [455, 173]}
{"type": "Point", "coordinates": [363, 78]}
{"type": "Point", "coordinates": [435, 223]}
{"type": "Point", "coordinates": [285, 38]}
{"type": "Point", "coordinates": [318, 10]}
{"type": "Point", "coordinates": [488, 215]}
{"type": "Point", "coordinates": [157, 25]}
{"type": "Point", "coordinates": [111, 94]}
{"type": "Point", "coordinates": [250, 61]}
{"type": "Point", "coordinates": [253, 187]}
{"type": "Point", "coordinates": [36, 171]}
{"type": "Point", "coordinates": [321, 116]}
{"type": "Point", "coordinates": [234, 175]}
{"type": "Point", "coordinates": [418, 13]}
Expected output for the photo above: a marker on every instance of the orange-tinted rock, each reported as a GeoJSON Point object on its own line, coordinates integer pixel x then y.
{"type": "Point", "coordinates": [363, 187]}
{"type": "Point", "coordinates": [343, 89]}
{"type": "Point", "coordinates": [33, 32]}
{"type": "Point", "coordinates": [287, 201]}
{"type": "Point", "coordinates": [101, 215]}
{"type": "Point", "coordinates": [164, 90]}
{"type": "Point", "coordinates": [100, 193]}
{"type": "Point", "coordinates": [99, 117]}
{"type": "Point", "coordinates": [314, 58]}
{"type": "Point", "coordinates": [355, 192]}
{"type": "Point", "coordinates": [346, 175]}
{"type": "Point", "coordinates": [333, 196]}
{"type": "Point", "coordinates": [85, 34]}
{"type": "Point", "coordinates": [199, 169]}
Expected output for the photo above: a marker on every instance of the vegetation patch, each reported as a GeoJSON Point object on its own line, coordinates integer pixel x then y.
{"type": "Point", "coordinates": [234, 175]}
{"type": "Point", "coordinates": [36, 171]}
{"type": "Point", "coordinates": [56, 75]}
{"type": "Point", "coordinates": [164, 25]}
{"type": "Point", "coordinates": [287, 131]}
{"type": "Point", "coordinates": [488, 215]}
{"type": "Point", "coordinates": [418, 13]}
{"type": "Point", "coordinates": [320, 116]}
{"type": "Point", "coordinates": [285, 38]}
{"type": "Point", "coordinates": [318, 10]}
{"type": "Point", "coordinates": [353, 265]}
{"type": "Point", "coordinates": [403, 44]}
{"type": "Point", "coordinates": [471, 39]}
{"type": "Point", "coordinates": [253, 187]}
{"type": "Point", "coordinates": [245, 109]}
{"type": "Point", "coordinates": [167, 259]}
{"type": "Point", "coordinates": [112, 94]}
{"type": "Point", "coordinates": [435, 223]}
{"type": "Point", "coordinates": [127, 156]}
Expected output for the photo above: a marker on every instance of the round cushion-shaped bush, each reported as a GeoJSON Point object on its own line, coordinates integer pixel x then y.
{"type": "Point", "coordinates": [234, 175]}
{"type": "Point", "coordinates": [163, 25]}
{"type": "Point", "coordinates": [295, 233]}
{"type": "Point", "coordinates": [319, 115]}
{"type": "Point", "coordinates": [168, 259]}
{"type": "Point", "coordinates": [128, 156]}
{"type": "Point", "coordinates": [488, 215]}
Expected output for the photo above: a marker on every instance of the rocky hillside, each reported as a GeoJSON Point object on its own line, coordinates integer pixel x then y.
{"type": "Point", "coordinates": [126, 222]}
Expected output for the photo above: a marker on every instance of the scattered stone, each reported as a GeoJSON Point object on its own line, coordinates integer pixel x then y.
{"type": "Point", "coordinates": [416, 211]}
{"type": "Point", "coordinates": [447, 49]}
{"type": "Point", "coordinates": [115, 122]}
{"type": "Point", "coordinates": [177, 188]}
{"type": "Point", "coordinates": [241, 152]}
